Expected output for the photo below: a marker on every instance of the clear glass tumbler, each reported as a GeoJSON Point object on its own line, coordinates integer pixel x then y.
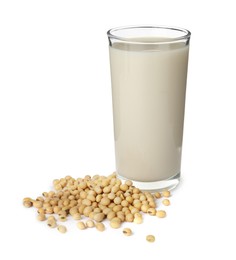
{"type": "Point", "coordinates": [148, 76]}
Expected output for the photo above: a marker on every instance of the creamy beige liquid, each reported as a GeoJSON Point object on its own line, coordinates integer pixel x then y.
{"type": "Point", "coordinates": [148, 89]}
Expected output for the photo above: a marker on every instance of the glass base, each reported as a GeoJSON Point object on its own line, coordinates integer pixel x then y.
{"type": "Point", "coordinates": [154, 186]}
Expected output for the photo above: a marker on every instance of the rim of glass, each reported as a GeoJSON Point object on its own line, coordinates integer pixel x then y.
{"type": "Point", "coordinates": [186, 33]}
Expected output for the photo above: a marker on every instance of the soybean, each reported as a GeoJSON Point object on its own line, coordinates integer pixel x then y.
{"type": "Point", "coordinates": [62, 229]}
{"type": "Point", "coordinates": [161, 214]}
{"type": "Point", "coordinates": [81, 225]}
{"type": "Point", "coordinates": [115, 223]}
{"type": "Point", "coordinates": [100, 226]}
{"type": "Point", "coordinates": [166, 193]}
{"type": "Point", "coordinates": [89, 223]}
{"type": "Point", "coordinates": [127, 231]}
{"type": "Point", "coordinates": [166, 202]}
{"type": "Point", "coordinates": [150, 238]}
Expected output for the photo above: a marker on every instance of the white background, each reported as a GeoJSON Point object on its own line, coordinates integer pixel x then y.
{"type": "Point", "coordinates": [56, 119]}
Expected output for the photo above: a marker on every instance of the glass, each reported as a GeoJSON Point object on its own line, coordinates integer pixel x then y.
{"type": "Point", "coordinates": [148, 76]}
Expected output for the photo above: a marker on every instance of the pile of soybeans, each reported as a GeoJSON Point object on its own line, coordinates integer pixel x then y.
{"type": "Point", "coordinates": [95, 199]}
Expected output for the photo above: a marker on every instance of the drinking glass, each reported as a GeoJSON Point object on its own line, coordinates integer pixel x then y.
{"type": "Point", "coordinates": [148, 77]}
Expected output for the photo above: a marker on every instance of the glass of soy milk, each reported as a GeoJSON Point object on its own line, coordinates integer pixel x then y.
{"type": "Point", "coordinates": [148, 75]}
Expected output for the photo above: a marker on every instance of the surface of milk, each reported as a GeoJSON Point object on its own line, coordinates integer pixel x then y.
{"type": "Point", "coordinates": [148, 90]}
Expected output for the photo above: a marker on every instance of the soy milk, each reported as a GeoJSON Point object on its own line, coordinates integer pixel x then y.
{"type": "Point", "coordinates": [148, 91]}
